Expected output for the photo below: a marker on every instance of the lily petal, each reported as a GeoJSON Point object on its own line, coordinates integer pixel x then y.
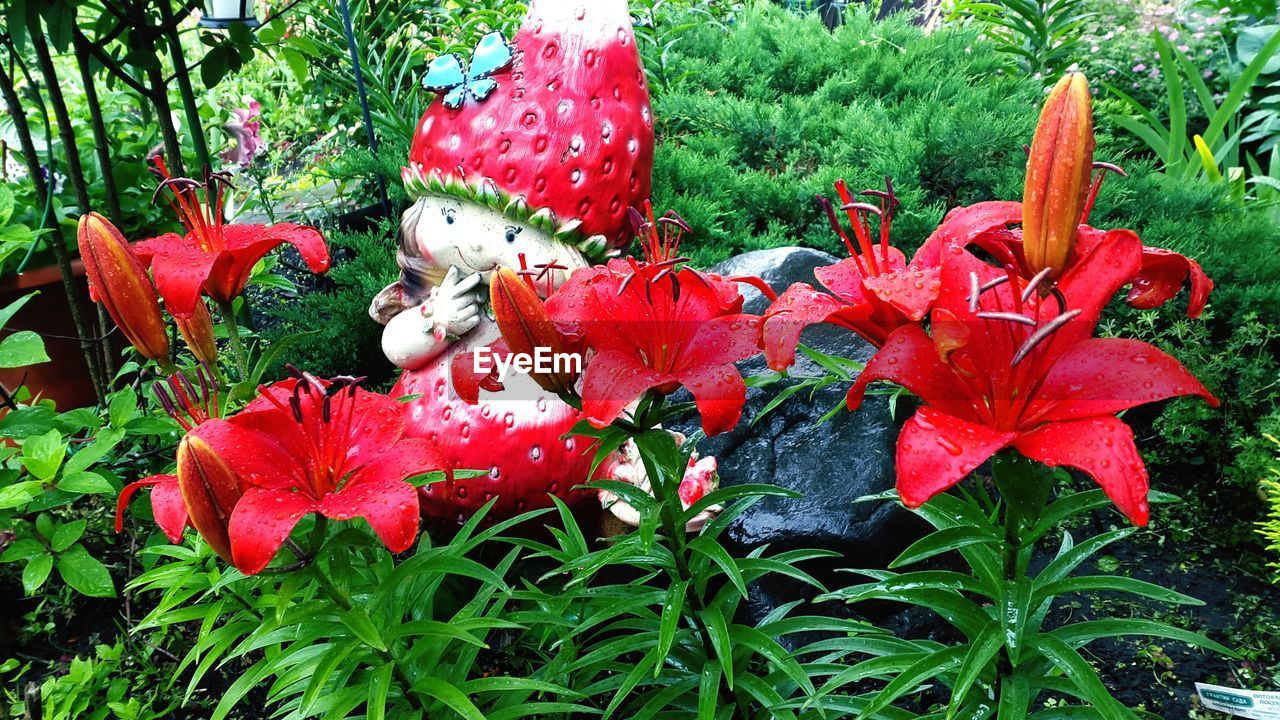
{"type": "Point", "coordinates": [260, 524]}
{"type": "Point", "coordinates": [247, 244]}
{"type": "Point", "coordinates": [937, 450]}
{"type": "Point", "coordinates": [1102, 376]}
{"type": "Point", "coordinates": [399, 462]}
{"type": "Point", "coordinates": [958, 265]}
{"type": "Point", "coordinates": [910, 359]}
{"type": "Point", "coordinates": [612, 380]}
{"type": "Point", "coordinates": [1101, 447]}
{"type": "Point", "coordinates": [844, 280]}
{"type": "Point", "coordinates": [794, 310]}
{"type": "Point", "coordinates": [390, 508]}
{"type": "Point", "coordinates": [168, 508]}
{"type": "Point", "coordinates": [719, 392]}
{"type": "Point", "coordinates": [172, 520]}
{"type": "Point", "coordinates": [911, 291]}
{"type": "Point", "coordinates": [1162, 276]}
{"type": "Point", "coordinates": [1091, 283]}
{"type": "Point", "coordinates": [722, 340]}
{"type": "Point", "coordinates": [180, 271]}
{"type": "Point", "coordinates": [308, 240]}
{"type": "Point", "coordinates": [245, 444]}
{"type": "Point", "coordinates": [963, 225]}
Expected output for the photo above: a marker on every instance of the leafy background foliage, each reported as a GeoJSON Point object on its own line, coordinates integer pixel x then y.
{"type": "Point", "coordinates": [758, 110]}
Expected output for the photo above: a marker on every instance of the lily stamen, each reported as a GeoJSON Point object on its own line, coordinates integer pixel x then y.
{"type": "Point", "coordinates": [182, 402]}
{"type": "Point", "coordinates": [1060, 298]}
{"type": "Point", "coordinates": [888, 205]}
{"type": "Point", "coordinates": [827, 207]}
{"type": "Point", "coordinates": [1103, 168]}
{"type": "Point", "coordinates": [1034, 283]}
{"type": "Point", "coordinates": [626, 281]}
{"type": "Point", "coordinates": [1043, 334]}
{"type": "Point", "coordinates": [1007, 316]}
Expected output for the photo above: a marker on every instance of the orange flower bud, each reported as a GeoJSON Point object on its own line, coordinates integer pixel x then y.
{"type": "Point", "coordinates": [197, 332]}
{"type": "Point", "coordinates": [1058, 173]}
{"type": "Point", "coordinates": [119, 282]}
{"type": "Point", "coordinates": [210, 490]}
{"type": "Point", "coordinates": [526, 326]}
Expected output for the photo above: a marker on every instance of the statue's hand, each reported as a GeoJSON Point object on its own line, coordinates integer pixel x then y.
{"type": "Point", "coordinates": [625, 464]}
{"type": "Point", "coordinates": [455, 305]}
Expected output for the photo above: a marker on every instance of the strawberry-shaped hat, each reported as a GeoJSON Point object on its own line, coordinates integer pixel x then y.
{"type": "Point", "coordinates": [554, 129]}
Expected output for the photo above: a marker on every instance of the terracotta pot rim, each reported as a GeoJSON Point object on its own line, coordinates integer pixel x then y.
{"type": "Point", "coordinates": [39, 277]}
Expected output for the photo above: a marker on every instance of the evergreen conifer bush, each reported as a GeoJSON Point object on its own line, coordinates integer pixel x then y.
{"type": "Point", "coordinates": [340, 338]}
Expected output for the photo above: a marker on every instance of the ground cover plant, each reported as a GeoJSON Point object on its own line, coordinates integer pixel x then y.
{"type": "Point", "coordinates": [1084, 382]}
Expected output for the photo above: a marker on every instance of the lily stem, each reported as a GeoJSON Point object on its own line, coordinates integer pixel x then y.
{"type": "Point", "coordinates": [1012, 517]}
{"type": "Point", "coordinates": [669, 515]}
{"type": "Point", "coordinates": [233, 338]}
{"type": "Point", "coordinates": [340, 598]}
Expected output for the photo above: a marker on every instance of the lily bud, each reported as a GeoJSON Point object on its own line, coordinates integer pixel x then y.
{"type": "Point", "coordinates": [1058, 173]}
{"type": "Point", "coordinates": [119, 282]}
{"type": "Point", "coordinates": [197, 333]}
{"type": "Point", "coordinates": [526, 326]}
{"type": "Point", "coordinates": [210, 490]}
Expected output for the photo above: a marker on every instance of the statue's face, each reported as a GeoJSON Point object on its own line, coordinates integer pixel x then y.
{"type": "Point", "coordinates": [475, 238]}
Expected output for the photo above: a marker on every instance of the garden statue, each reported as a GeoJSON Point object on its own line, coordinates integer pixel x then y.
{"type": "Point", "coordinates": [529, 159]}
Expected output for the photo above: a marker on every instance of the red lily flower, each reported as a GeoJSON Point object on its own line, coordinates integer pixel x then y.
{"type": "Point", "coordinates": [992, 226]}
{"type": "Point", "coordinates": [1013, 364]}
{"type": "Point", "coordinates": [215, 257]}
{"type": "Point", "coordinates": [307, 445]}
{"type": "Point", "coordinates": [873, 292]}
{"type": "Point", "coordinates": [658, 325]}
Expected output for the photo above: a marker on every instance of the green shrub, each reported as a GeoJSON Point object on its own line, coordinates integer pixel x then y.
{"type": "Point", "coordinates": [343, 339]}
{"type": "Point", "coordinates": [1271, 486]}
{"type": "Point", "coordinates": [774, 111]}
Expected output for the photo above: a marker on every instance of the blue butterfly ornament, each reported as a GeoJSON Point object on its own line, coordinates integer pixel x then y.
{"type": "Point", "coordinates": [447, 75]}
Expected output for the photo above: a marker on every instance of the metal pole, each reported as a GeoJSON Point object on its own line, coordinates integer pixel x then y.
{"type": "Point", "coordinates": [364, 98]}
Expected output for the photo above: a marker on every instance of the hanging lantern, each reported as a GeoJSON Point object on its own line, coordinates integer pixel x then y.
{"type": "Point", "coordinates": [225, 13]}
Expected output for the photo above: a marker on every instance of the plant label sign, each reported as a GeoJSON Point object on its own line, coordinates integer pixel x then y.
{"type": "Point", "coordinates": [1241, 703]}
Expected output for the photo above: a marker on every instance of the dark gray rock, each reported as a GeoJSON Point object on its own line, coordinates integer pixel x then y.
{"type": "Point", "coordinates": [832, 464]}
